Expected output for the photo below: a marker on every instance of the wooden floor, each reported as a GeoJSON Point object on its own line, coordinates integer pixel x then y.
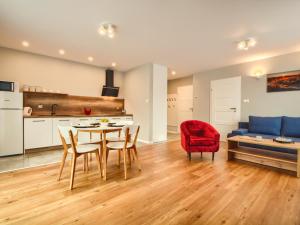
{"type": "Point", "coordinates": [169, 190]}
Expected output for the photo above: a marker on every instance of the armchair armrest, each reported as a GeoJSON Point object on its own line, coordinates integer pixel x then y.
{"type": "Point", "coordinates": [243, 125]}
{"type": "Point", "coordinates": [240, 132]}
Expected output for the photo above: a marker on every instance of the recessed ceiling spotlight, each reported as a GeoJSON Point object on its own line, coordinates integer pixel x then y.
{"type": "Point", "coordinates": [90, 58]}
{"type": "Point", "coordinates": [107, 29]}
{"type": "Point", "coordinates": [173, 72]}
{"type": "Point", "coordinates": [25, 43]}
{"type": "Point", "coordinates": [114, 64]}
{"type": "Point", "coordinates": [245, 44]}
{"type": "Point", "coordinates": [61, 51]}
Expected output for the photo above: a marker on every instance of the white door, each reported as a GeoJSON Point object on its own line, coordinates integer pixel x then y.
{"type": "Point", "coordinates": [184, 103]}
{"type": "Point", "coordinates": [225, 105]}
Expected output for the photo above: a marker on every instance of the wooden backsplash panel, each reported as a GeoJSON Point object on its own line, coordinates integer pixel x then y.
{"type": "Point", "coordinates": [72, 105]}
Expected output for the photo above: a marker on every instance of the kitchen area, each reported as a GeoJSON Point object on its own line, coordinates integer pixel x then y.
{"type": "Point", "coordinates": [30, 116]}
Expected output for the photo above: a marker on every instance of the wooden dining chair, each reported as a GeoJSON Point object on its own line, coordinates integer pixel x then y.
{"type": "Point", "coordinates": [127, 146]}
{"type": "Point", "coordinates": [77, 150]}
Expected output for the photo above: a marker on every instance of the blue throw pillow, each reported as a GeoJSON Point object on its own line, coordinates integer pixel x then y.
{"type": "Point", "coordinates": [265, 125]}
{"type": "Point", "coordinates": [291, 126]}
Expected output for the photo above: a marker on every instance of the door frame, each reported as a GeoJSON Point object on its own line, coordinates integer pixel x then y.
{"type": "Point", "coordinates": [211, 98]}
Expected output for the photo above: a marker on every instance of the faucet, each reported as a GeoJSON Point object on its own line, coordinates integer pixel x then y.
{"type": "Point", "coordinates": [53, 108]}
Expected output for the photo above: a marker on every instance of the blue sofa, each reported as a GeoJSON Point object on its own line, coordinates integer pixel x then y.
{"type": "Point", "coordinates": [269, 128]}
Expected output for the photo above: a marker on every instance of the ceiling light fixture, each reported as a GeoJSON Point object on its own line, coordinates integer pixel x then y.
{"type": "Point", "coordinates": [90, 58]}
{"type": "Point", "coordinates": [246, 44]}
{"type": "Point", "coordinates": [61, 51]}
{"type": "Point", "coordinates": [25, 43]}
{"type": "Point", "coordinates": [107, 29]}
{"type": "Point", "coordinates": [114, 64]}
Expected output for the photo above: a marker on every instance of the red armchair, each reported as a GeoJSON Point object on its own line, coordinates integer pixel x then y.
{"type": "Point", "coordinates": [198, 136]}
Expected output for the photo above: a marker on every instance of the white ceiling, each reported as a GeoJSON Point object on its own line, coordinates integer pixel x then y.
{"type": "Point", "coordinates": [186, 35]}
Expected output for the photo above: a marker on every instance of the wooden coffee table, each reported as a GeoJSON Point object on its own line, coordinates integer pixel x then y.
{"type": "Point", "coordinates": [265, 157]}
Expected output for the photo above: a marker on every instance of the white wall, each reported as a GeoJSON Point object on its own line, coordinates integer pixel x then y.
{"type": "Point", "coordinates": [145, 91]}
{"type": "Point", "coordinates": [138, 98]}
{"type": "Point", "coordinates": [159, 100]}
{"type": "Point", "coordinates": [56, 74]}
{"type": "Point", "coordinates": [261, 103]}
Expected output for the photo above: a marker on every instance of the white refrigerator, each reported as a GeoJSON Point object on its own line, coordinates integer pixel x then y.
{"type": "Point", "coordinates": [11, 123]}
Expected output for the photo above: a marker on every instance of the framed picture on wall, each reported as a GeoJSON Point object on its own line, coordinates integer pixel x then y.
{"type": "Point", "coordinates": [285, 81]}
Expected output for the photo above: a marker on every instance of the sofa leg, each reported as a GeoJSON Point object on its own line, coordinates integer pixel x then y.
{"type": "Point", "coordinates": [189, 156]}
{"type": "Point", "coordinates": [213, 156]}
{"type": "Point", "coordinates": [201, 154]}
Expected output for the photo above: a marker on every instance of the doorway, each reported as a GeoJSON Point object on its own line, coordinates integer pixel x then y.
{"type": "Point", "coordinates": [180, 108]}
{"type": "Point", "coordinates": [225, 105]}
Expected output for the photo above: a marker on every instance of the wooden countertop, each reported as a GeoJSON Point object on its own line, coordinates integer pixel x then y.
{"type": "Point", "coordinates": [57, 116]}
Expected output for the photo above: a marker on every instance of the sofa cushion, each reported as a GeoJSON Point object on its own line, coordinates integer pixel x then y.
{"type": "Point", "coordinates": [291, 126]}
{"type": "Point", "coordinates": [265, 125]}
{"type": "Point", "coordinates": [204, 141]}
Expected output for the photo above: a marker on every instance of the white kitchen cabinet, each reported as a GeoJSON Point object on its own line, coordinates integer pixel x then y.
{"type": "Point", "coordinates": [43, 132]}
{"type": "Point", "coordinates": [63, 121]}
{"type": "Point", "coordinates": [37, 132]}
{"type": "Point", "coordinates": [83, 137]}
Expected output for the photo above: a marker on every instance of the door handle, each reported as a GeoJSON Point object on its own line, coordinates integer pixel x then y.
{"type": "Point", "coordinates": [234, 109]}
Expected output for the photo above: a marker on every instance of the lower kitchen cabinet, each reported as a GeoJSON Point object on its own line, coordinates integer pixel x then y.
{"type": "Point", "coordinates": [65, 121]}
{"type": "Point", "coordinates": [43, 132]}
{"type": "Point", "coordinates": [37, 132]}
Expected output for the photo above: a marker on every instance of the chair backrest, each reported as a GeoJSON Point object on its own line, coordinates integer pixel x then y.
{"type": "Point", "coordinates": [131, 133]}
{"type": "Point", "coordinates": [68, 134]}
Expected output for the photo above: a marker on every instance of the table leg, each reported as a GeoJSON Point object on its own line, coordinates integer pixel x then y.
{"type": "Point", "coordinates": [298, 163]}
{"type": "Point", "coordinates": [104, 156]}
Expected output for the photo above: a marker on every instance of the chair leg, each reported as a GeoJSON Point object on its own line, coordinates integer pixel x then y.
{"type": "Point", "coordinates": [125, 162]}
{"type": "Point", "coordinates": [107, 153]}
{"type": "Point", "coordinates": [99, 162]}
{"type": "Point", "coordinates": [119, 158]}
{"type": "Point", "coordinates": [84, 163]}
{"type": "Point", "coordinates": [73, 171]}
{"type": "Point", "coordinates": [213, 156]}
{"type": "Point", "coordinates": [189, 156]}
{"type": "Point", "coordinates": [129, 157]}
{"type": "Point", "coordinates": [133, 154]}
{"type": "Point", "coordinates": [137, 158]}
{"type": "Point", "coordinates": [62, 165]}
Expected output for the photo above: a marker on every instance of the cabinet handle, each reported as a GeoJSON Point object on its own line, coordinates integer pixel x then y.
{"type": "Point", "coordinates": [64, 120]}
{"type": "Point", "coordinates": [37, 121]}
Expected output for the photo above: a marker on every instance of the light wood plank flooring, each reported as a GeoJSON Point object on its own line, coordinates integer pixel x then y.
{"type": "Point", "coordinates": [169, 190]}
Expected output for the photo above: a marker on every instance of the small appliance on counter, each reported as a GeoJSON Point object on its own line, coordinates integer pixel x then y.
{"type": "Point", "coordinates": [9, 86]}
{"type": "Point", "coordinates": [11, 123]}
{"type": "Point", "coordinates": [27, 111]}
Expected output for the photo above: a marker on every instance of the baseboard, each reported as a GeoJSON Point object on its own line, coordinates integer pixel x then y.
{"type": "Point", "coordinates": [173, 132]}
{"type": "Point", "coordinates": [146, 142]}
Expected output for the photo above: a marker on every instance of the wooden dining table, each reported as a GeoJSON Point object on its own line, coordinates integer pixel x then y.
{"type": "Point", "coordinates": [102, 130]}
